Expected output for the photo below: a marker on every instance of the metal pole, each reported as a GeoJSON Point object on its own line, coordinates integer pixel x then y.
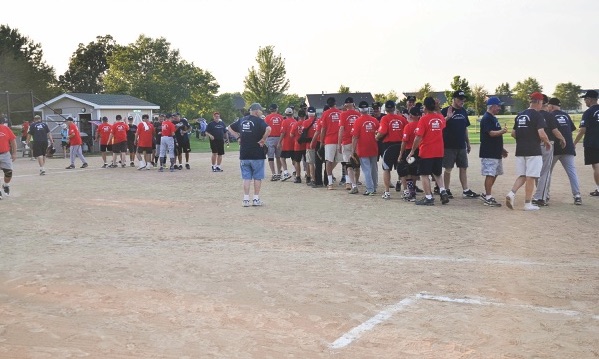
{"type": "Point", "coordinates": [32, 104]}
{"type": "Point", "coordinates": [8, 107]}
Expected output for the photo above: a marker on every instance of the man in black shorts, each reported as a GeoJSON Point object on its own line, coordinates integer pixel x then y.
{"type": "Point", "coordinates": [182, 144]}
{"type": "Point", "coordinates": [131, 140]}
{"type": "Point", "coordinates": [216, 134]}
{"type": "Point", "coordinates": [40, 133]}
{"type": "Point", "coordinates": [589, 129]}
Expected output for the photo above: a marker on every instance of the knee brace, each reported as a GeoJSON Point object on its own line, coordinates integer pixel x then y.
{"type": "Point", "coordinates": [7, 173]}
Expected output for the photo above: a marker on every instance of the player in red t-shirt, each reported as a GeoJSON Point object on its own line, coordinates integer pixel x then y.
{"type": "Point", "coordinates": [75, 144]}
{"type": "Point", "coordinates": [329, 135]}
{"type": "Point", "coordinates": [429, 142]}
{"type": "Point", "coordinates": [390, 131]}
{"type": "Point", "coordinates": [344, 143]}
{"type": "Point", "coordinates": [144, 138]}
{"type": "Point", "coordinates": [285, 143]}
{"type": "Point", "coordinates": [8, 154]}
{"type": "Point", "coordinates": [364, 144]}
{"type": "Point", "coordinates": [167, 143]}
{"type": "Point", "coordinates": [119, 141]}
{"type": "Point", "coordinates": [311, 124]}
{"type": "Point", "coordinates": [408, 172]}
{"type": "Point", "coordinates": [299, 149]}
{"type": "Point", "coordinates": [274, 120]}
{"type": "Point", "coordinates": [102, 135]}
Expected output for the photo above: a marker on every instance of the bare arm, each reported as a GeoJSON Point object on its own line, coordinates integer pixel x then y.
{"type": "Point", "coordinates": [560, 137]}
{"type": "Point", "coordinates": [416, 144]}
{"type": "Point", "coordinates": [13, 149]}
{"type": "Point", "coordinates": [581, 132]}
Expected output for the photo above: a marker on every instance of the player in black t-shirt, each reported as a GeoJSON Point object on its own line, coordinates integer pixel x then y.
{"type": "Point", "coordinates": [589, 129]}
{"type": "Point", "coordinates": [131, 147]}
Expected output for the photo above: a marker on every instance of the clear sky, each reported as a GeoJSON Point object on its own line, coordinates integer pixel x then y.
{"type": "Point", "coordinates": [369, 45]}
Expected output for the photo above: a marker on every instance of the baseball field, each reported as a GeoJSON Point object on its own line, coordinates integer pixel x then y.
{"type": "Point", "coordinates": [121, 263]}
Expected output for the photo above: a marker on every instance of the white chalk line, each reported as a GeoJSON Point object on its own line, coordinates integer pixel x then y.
{"type": "Point", "coordinates": [356, 332]}
{"type": "Point", "coordinates": [55, 172]}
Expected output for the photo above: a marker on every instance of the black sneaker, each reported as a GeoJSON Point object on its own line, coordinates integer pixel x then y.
{"type": "Point", "coordinates": [398, 186]}
{"type": "Point", "coordinates": [539, 202]}
{"type": "Point", "coordinates": [180, 167]}
{"type": "Point", "coordinates": [272, 179]}
{"type": "Point", "coordinates": [470, 194]}
{"type": "Point", "coordinates": [445, 197]}
{"type": "Point", "coordinates": [84, 165]}
{"type": "Point", "coordinates": [187, 166]}
{"type": "Point", "coordinates": [123, 165]}
{"type": "Point", "coordinates": [105, 165]}
{"type": "Point", "coordinates": [70, 167]}
{"type": "Point", "coordinates": [6, 189]}
{"type": "Point", "coordinates": [449, 194]}
{"type": "Point", "coordinates": [0, 195]}
{"type": "Point", "coordinates": [112, 165]}
{"type": "Point", "coordinates": [132, 164]}
{"type": "Point", "coordinates": [491, 202]}
{"type": "Point", "coordinates": [425, 202]}
{"type": "Point", "coordinates": [436, 190]}
{"type": "Point", "coordinates": [577, 200]}
{"type": "Point", "coordinates": [297, 180]}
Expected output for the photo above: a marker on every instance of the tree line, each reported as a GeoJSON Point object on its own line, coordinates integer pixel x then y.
{"type": "Point", "coordinates": [151, 70]}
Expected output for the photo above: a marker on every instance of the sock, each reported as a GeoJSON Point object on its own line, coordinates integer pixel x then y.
{"type": "Point", "coordinates": [441, 189]}
{"type": "Point", "coordinates": [488, 196]}
{"type": "Point", "coordinates": [429, 196]}
{"type": "Point", "coordinates": [330, 179]}
{"type": "Point", "coordinates": [246, 197]}
{"type": "Point", "coordinates": [511, 194]}
{"type": "Point", "coordinates": [256, 197]}
{"type": "Point", "coordinates": [347, 179]}
{"type": "Point", "coordinates": [466, 190]}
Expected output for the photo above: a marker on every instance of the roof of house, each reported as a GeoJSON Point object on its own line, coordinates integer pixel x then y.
{"type": "Point", "coordinates": [439, 95]}
{"type": "Point", "coordinates": [104, 101]}
{"type": "Point", "coordinates": [319, 100]}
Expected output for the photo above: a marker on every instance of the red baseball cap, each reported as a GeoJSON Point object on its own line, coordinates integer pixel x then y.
{"type": "Point", "coordinates": [536, 96]}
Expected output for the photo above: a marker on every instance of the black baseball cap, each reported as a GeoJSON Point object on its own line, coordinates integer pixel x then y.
{"type": "Point", "coordinates": [331, 101]}
{"type": "Point", "coordinates": [555, 101]}
{"type": "Point", "coordinates": [376, 105]}
{"type": "Point", "coordinates": [311, 109]}
{"type": "Point", "coordinates": [411, 98]}
{"type": "Point", "coordinates": [104, 118]}
{"type": "Point", "coordinates": [349, 100]}
{"type": "Point", "coordinates": [130, 118]}
{"type": "Point", "coordinates": [119, 117]}
{"type": "Point", "coordinates": [363, 104]}
{"type": "Point", "coordinates": [390, 104]}
{"type": "Point", "coordinates": [459, 94]}
{"type": "Point", "coordinates": [416, 111]}
{"type": "Point", "coordinates": [590, 94]}
{"type": "Point", "coordinates": [273, 106]}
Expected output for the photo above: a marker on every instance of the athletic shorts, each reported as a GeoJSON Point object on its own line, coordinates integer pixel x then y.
{"type": "Point", "coordinates": [131, 146]}
{"type": "Point", "coordinates": [6, 161]}
{"type": "Point", "coordinates": [252, 169]}
{"type": "Point", "coordinates": [105, 148]}
{"type": "Point", "coordinates": [65, 144]}
{"type": "Point", "coordinates": [591, 156]}
{"type": "Point", "coordinates": [144, 149]}
{"type": "Point", "coordinates": [39, 148]}
{"type": "Point", "coordinates": [346, 152]}
{"type": "Point", "coordinates": [217, 146]}
{"type": "Point", "coordinates": [404, 168]}
{"type": "Point", "coordinates": [491, 167]}
{"type": "Point", "coordinates": [331, 153]}
{"type": "Point", "coordinates": [273, 150]}
{"type": "Point", "coordinates": [453, 157]}
{"type": "Point", "coordinates": [430, 166]}
{"type": "Point", "coordinates": [120, 147]}
{"type": "Point", "coordinates": [286, 154]}
{"type": "Point", "coordinates": [183, 145]}
{"type": "Point", "coordinates": [390, 154]}
{"type": "Point", "coordinates": [310, 156]}
{"type": "Point", "coordinates": [298, 156]}
{"type": "Point", "coordinates": [529, 166]}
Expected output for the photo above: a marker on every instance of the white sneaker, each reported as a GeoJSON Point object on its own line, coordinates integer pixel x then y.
{"type": "Point", "coordinates": [509, 201]}
{"type": "Point", "coordinates": [530, 207]}
{"type": "Point", "coordinates": [386, 195]}
{"type": "Point", "coordinates": [246, 202]}
{"type": "Point", "coordinates": [257, 202]}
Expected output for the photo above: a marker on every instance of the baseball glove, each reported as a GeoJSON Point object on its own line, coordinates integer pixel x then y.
{"type": "Point", "coordinates": [354, 161]}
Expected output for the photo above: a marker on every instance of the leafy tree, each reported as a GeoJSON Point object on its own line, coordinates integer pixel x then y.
{"type": "Point", "coordinates": [459, 83]}
{"type": "Point", "coordinates": [503, 89]}
{"type": "Point", "coordinates": [22, 68]}
{"type": "Point", "coordinates": [88, 66]}
{"type": "Point", "coordinates": [479, 99]}
{"type": "Point", "coordinates": [291, 100]}
{"type": "Point", "coordinates": [380, 97]}
{"type": "Point", "coordinates": [225, 105]}
{"type": "Point", "coordinates": [423, 92]}
{"type": "Point", "coordinates": [150, 70]}
{"type": "Point", "coordinates": [343, 89]}
{"type": "Point", "coordinates": [522, 91]}
{"type": "Point", "coordinates": [568, 94]}
{"type": "Point", "coordinates": [268, 82]}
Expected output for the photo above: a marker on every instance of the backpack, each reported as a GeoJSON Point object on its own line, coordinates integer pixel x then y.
{"type": "Point", "coordinates": [304, 136]}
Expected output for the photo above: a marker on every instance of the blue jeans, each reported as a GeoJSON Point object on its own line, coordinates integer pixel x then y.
{"type": "Point", "coordinates": [370, 171]}
{"type": "Point", "coordinates": [252, 169]}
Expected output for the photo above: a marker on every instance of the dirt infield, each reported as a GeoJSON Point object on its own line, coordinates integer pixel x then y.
{"type": "Point", "coordinates": [120, 263]}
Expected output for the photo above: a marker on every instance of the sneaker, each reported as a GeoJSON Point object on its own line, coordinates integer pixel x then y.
{"type": "Point", "coordinates": [272, 179]}
{"type": "Point", "coordinates": [0, 195]}
{"type": "Point", "coordinates": [354, 190]}
{"type": "Point", "coordinates": [470, 194]}
{"type": "Point", "coordinates": [314, 185]}
{"type": "Point", "coordinates": [367, 193]}
{"type": "Point", "coordinates": [509, 201]}
{"type": "Point", "coordinates": [348, 186]}
{"type": "Point", "coordinates": [70, 167]}
{"type": "Point", "coordinates": [149, 167]}
{"type": "Point", "coordinates": [398, 186]}
{"type": "Point", "coordinates": [418, 189]}
{"type": "Point", "coordinates": [112, 165]}
{"type": "Point", "coordinates": [410, 198]}
{"type": "Point", "coordinates": [425, 202]}
{"type": "Point", "coordinates": [359, 183]}
{"type": "Point", "coordinates": [491, 202]}
{"type": "Point", "coordinates": [216, 169]}
{"type": "Point", "coordinates": [334, 179]}
{"type": "Point", "coordinates": [84, 165]}
{"type": "Point", "coordinates": [6, 190]}
{"type": "Point", "coordinates": [141, 167]}
{"type": "Point", "coordinates": [595, 193]}
{"type": "Point", "coordinates": [278, 177]}
{"type": "Point", "coordinates": [132, 164]}
{"type": "Point", "coordinates": [161, 169]}
{"type": "Point", "coordinates": [436, 190]}
{"type": "Point", "coordinates": [180, 167]}
{"type": "Point", "coordinates": [187, 166]}
{"type": "Point", "coordinates": [257, 202]}
{"type": "Point", "coordinates": [285, 177]}
{"type": "Point", "coordinates": [449, 194]}
{"type": "Point", "coordinates": [445, 197]}
{"type": "Point", "coordinates": [42, 172]}
{"type": "Point", "coordinates": [172, 168]}
{"type": "Point", "coordinates": [577, 200]}
{"type": "Point", "coordinates": [530, 207]}
{"type": "Point", "coordinates": [386, 195]}
{"type": "Point", "coordinates": [342, 182]}
{"type": "Point", "coordinates": [297, 180]}
{"type": "Point", "coordinates": [330, 187]}
{"type": "Point", "coordinates": [539, 202]}
{"type": "Point", "coordinates": [123, 165]}
{"type": "Point", "coordinates": [246, 202]}
{"type": "Point", "coordinates": [105, 165]}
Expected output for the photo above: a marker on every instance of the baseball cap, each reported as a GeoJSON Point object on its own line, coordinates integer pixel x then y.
{"type": "Point", "coordinates": [555, 101]}
{"type": "Point", "coordinates": [349, 100]}
{"type": "Point", "coordinates": [416, 111]}
{"type": "Point", "coordinates": [288, 111]}
{"type": "Point", "coordinates": [145, 116]}
{"type": "Point", "coordinates": [331, 101]}
{"type": "Point", "coordinates": [390, 104]}
{"type": "Point", "coordinates": [104, 118]}
{"type": "Point", "coordinates": [411, 98]}
{"type": "Point", "coordinates": [311, 109]}
{"type": "Point", "coordinates": [301, 113]}
{"type": "Point", "coordinates": [459, 93]}
{"type": "Point", "coordinates": [494, 101]}
{"type": "Point", "coordinates": [257, 107]}
{"type": "Point", "coordinates": [272, 106]}
{"type": "Point", "coordinates": [536, 96]}
{"type": "Point", "coordinates": [118, 117]}
{"type": "Point", "coordinates": [376, 105]}
{"type": "Point", "coordinates": [37, 117]}
{"type": "Point", "coordinates": [216, 113]}
{"type": "Point", "coordinates": [130, 118]}
{"type": "Point", "coordinates": [590, 94]}
{"type": "Point", "coordinates": [70, 118]}
{"type": "Point", "coordinates": [363, 104]}
{"type": "Point", "coordinates": [168, 115]}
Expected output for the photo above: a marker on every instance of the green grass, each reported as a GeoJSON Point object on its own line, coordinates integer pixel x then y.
{"type": "Point", "coordinates": [508, 120]}
{"type": "Point", "coordinates": [203, 146]}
